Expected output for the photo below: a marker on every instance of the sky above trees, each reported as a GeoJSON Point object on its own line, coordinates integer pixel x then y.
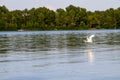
{"type": "Point", "coordinates": [90, 5]}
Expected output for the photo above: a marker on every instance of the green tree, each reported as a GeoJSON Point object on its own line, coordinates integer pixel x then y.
{"type": "Point", "coordinates": [70, 18]}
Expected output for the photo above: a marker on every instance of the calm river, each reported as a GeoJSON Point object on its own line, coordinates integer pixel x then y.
{"type": "Point", "coordinates": [60, 55]}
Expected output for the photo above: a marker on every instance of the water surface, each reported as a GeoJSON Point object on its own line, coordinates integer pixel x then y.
{"type": "Point", "coordinates": [60, 55]}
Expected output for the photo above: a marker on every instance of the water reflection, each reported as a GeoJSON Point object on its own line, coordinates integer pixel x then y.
{"type": "Point", "coordinates": [40, 42]}
{"type": "Point", "coordinates": [53, 54]}
{"type": "Point", "coordinates": [4, 43]}
{"type": "Point", "coordinates": [90, 55]}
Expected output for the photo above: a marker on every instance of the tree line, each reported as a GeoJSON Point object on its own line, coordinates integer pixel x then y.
{"type": "Point", "coordinates": [70, 18]}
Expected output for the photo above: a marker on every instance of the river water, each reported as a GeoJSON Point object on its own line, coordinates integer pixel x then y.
{"type": "Point", "coordinates": [60, 55]}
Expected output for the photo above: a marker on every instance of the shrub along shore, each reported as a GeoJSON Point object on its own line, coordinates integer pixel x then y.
{"type": "Point", "coordinates": [70, 18]}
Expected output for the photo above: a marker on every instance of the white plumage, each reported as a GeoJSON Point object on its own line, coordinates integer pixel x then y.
{"type": "Point", "coordinates": [89, 39]}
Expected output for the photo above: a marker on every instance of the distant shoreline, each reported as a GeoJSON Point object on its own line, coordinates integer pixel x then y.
{"type": "Point", "coordinates": [70, 18]}
{"type": "Point", "coordinates": [63, 30]}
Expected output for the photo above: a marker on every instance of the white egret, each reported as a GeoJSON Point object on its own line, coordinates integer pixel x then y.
{"type": "Point", "coordinates": [89, 39]}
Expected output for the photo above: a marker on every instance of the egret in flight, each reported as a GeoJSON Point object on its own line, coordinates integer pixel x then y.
{"type": "Point", "coordinates": [89, 39]}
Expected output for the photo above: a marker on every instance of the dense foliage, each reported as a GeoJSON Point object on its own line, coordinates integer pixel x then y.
{"type": "Point", "coordinates": [71, 18]}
